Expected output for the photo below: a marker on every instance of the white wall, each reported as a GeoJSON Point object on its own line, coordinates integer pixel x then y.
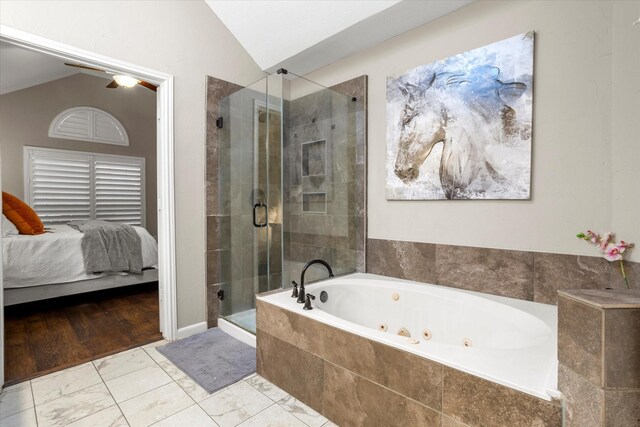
{"type": "Point", "coordinates": [182, 38]}
{"type": "Point", "coordinates": [578, 47]}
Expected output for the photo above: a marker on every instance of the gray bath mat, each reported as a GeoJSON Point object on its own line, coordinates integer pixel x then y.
{"type": "Point", "coordinates": [212, 358]}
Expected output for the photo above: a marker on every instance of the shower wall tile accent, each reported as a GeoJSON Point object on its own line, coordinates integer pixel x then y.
{"type": "Point", "coordinates": [599, 356]}
{"type": "Point", "coordinates": [531, 276]}
{"type": "Point", "coordinates": [325, 180]}
{"type": "Point", "coordinates": [355, 381]}
{"type": "Point", "coordinates": [218, 198]}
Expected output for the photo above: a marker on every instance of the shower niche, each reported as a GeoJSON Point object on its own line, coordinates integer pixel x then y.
{"type": "Point", "coordinates": [285, 184]}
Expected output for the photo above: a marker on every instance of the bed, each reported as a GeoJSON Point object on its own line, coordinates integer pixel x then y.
{"type": "Point", "coordinates": [50, 265]}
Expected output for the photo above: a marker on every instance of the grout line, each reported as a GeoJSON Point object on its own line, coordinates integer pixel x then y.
{"type": "Point", "coordinates": [257, 413]}
{"type": "Point", "coordinates": [33, 399]}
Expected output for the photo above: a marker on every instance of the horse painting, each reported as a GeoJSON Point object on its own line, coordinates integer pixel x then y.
{"type": "Point", "coordinates": [461, 128]}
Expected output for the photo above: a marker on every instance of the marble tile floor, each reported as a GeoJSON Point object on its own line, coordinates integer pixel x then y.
{"type": "Point", "coordinates": [140, 387]}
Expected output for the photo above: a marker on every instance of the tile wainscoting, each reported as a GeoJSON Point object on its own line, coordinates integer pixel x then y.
{"type": "Point", "coordinates": [531, 276]}
{"type": "Point", "coordinates": [355, 381]}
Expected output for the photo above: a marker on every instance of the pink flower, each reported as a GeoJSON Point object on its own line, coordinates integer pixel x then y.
{"type": "Point", "coordinates": [613, 252]}
{"type": "Point", "coordinates": [604, 241]}
{"type": "Point", "coordinates": [593, 236]}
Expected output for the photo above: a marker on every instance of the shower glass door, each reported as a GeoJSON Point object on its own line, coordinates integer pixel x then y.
{"type": "Point", "coordinates": [250, 151]}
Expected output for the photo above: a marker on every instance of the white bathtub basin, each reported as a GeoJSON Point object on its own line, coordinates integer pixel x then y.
{"type": "Point", "coordinates": [508, 341]}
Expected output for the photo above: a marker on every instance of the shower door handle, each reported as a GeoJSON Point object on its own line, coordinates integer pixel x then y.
{"type": "Point", "coordinates": [255, 219]}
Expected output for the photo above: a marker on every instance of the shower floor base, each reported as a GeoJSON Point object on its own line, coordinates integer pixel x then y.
{"type": "Point", "coordinates": [244, 319]}
{"type": "Point", "coordinates": [237, 332]}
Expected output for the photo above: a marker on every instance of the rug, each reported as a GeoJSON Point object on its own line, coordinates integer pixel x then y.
{"type": "Point", "coordinates": [213, 359]}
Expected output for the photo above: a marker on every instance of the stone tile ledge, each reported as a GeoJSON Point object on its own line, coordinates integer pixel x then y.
{"type": "Point", "coordinates": [605, 298]}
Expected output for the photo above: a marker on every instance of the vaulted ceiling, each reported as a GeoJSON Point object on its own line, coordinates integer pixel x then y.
{"type": "Point", "coordinates": [305, 35]}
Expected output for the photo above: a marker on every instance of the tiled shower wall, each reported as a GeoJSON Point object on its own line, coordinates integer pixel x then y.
{"type": "Point", "coordinates": [532, 276]}
{"type": "Point", "coordinates": [325, 180]}
{"type": "Point", "coordinates": [218, 198]}
{"type": "Point", "coordinates": [338, 234]}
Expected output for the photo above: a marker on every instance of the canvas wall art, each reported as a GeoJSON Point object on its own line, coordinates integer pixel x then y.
{"type": "Point", "coordinates": [460, 128]}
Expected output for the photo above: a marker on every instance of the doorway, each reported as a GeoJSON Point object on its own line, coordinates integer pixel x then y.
{"type": "Point", "coordinates": [165, 162]}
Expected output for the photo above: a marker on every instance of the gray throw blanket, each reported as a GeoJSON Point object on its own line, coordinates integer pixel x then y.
{"type": "Point", "coordinates": [109, 247]}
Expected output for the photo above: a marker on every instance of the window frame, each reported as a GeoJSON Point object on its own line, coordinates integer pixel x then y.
{"type": "Point", "coordinates": [27, 176]}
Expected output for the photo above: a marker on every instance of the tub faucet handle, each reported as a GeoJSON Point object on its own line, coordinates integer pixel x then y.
{"type": "Point", "coordinates": [307, 302]}
{"type": "Point", "coordinates": [301, 293]}
{"type": "Point", "coordinates": [294, 292]}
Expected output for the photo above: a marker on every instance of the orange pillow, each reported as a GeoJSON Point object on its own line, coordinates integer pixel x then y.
{"type": "Point", "coordinates": [21, 215]}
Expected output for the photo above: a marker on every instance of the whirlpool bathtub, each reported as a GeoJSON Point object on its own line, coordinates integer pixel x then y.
{"type": "Point", "coordinates": [508, 341]}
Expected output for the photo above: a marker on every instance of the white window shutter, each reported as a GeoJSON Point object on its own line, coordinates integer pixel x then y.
{"type": "Point", "coordinates": [63, 186]}
{"type": "Point", "coordinates": [119, 190]}
{"type": "Point", "coordinates": [88, 124]}
{"type": "Point", "coordinates": [59, 186]}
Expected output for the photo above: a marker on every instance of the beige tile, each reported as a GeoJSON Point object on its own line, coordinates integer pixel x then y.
{"type": "Point", "coordinates": [450, 422]}
{"type": "Point", "coordinates": [580, 338]}
{"type": "Point", "coordinates": [15, 398]}
{"type": "Point", "coordinates": [122, 363]}
{"type": "Point", "coordinates": [622, 348]}
{"type": "Point", "coordinates": [556, 271]}
{"type": "Point", "coordinates": [196, 392]}
{"type": "Point", "coordinates": [475, 401]}
{"type": "Point", "coordinates": [26, 418]}
{"type": "Point", "coordinates": [302, 411]}
{"type": "Point", "coordinates": [584, 401]}
{"type": "Point", "coordinates": [62, 383]}
{"type": "Point", "coordinates": [385, 365]}
{"type": "Point", "coordinates": [274, 416]}
{"type": "Point", "coordinates": [272, 362]}
{"type": "Point", "coordinates": [405, 260]}
{"type": "Point", "coordinates": [299, 331]}
{"type": "Point", "coordinates": [235, 404]}
{"type": "Point", "coordinates": [137, 382]}
{"type": "Point", "coordinates": [155, 405]}
{"type": "Point", "coordinates": [193, 416]}
{"type": "Point", "coordinates": [493, 271]}
{"type": "Point", "coordinates": [622, 408]}
{"type": "Point", "coordinates": [110, 417]}
{"type": "Point", "coordinates": [270, 390]}
{"type": "Point", "coordinates": [74, 406]}
{"type": "Point", "coordinates": [350, 400]}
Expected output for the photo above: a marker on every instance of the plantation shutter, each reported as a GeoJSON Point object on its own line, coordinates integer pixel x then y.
{"type": "Point", "coordinates": [63, 186]}
{"type": "Point", "coordinates": [59, 185]}
{"type": "Point", "coordinates": [119, 189]}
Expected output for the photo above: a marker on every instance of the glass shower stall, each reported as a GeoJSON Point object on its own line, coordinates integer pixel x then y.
{"type": "Point", "coordinates": [288, 148]}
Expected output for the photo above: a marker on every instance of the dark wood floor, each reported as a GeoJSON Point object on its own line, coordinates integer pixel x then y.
{"type": "Point", "coordinates": [48, 336]}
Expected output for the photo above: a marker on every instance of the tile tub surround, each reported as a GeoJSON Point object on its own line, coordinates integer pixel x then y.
{"type": "Point", "coordinates": [355, 381]}
{"type": "Point", "coordinates": [599, 356]}
{"type": "Point", "coordinates": [531, 276]}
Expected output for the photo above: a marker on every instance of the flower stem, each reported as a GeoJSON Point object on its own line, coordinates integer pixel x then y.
{"type": "Point", "coordinates": [624, 274]}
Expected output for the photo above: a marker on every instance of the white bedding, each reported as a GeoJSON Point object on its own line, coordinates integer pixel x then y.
{"type": "Point", "coordinates": [56, 257]}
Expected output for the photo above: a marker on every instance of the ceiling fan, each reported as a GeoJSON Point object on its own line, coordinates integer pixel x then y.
{"type": "Point", "coordinates": [118, 79]}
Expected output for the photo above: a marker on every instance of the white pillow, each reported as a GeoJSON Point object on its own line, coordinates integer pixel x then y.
{"type": "Point", "coordinates": [8, 229]}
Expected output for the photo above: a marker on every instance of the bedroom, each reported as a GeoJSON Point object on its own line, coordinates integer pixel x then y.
{"type": "Point", "coordinates": [70, 162]}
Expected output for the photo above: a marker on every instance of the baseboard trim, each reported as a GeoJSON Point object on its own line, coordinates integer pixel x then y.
{"type": "Point", "coordinates": [187, 331]}
{"type": "Point", "coordinates": [236, 332]}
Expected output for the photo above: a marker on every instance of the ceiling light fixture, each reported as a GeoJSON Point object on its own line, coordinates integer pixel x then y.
{"type": "Point", "coordinates": [125, 81]}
